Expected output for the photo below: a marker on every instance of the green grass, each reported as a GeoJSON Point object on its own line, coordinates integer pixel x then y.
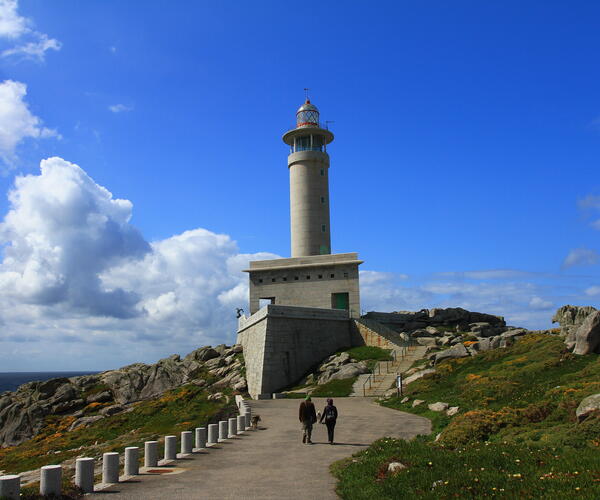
{"type": "Point", "coordinates": [335, 388]}
{"type": "Point", "coordinates": [366, 352]}
{"type": "Point", "coordinates": [180, 409]}
{"type": "Point", "coordinates": [516, 404]}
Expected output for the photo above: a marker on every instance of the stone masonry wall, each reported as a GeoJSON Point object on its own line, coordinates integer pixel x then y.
{"type": "Point", "coordinates": [282, 343]}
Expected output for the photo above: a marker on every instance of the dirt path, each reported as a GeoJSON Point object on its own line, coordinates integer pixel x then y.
{"type": "Point", "coordinates": [272, 463]}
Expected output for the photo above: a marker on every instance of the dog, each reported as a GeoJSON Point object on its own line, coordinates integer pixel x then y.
{"type": "Point", "coordinates": [255, 420]}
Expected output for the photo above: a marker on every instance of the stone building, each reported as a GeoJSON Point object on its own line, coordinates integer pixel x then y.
{"type": "Point", "coordinates": [300, 306]}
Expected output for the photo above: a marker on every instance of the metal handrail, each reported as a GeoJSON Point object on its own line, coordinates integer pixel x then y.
{"type": "Point", "coordinates": [365, 383]}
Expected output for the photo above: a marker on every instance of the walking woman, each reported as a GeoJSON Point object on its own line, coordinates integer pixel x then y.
{"type": "Point", "coordinates": [330, 415]}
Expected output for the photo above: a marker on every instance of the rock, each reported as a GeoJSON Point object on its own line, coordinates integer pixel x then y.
{"type": "Point", "coordinates": [426, 341]}
{"type": "Point", "coordinates": [489, 343]}
{"type": "Point", "coordinates": [390, 392]}
{"type": "Point", "coordinates": [85, 421]}
{"type": "Point", "coordinates": [350, 370]}
{"type": "Point", "coordinates": [203, 354]}
{"type": "Point", "coordinates": [100, 397]}
{"type": "Point", "coordinates": [484, 329]}
{"type": "Point", "coordinates": [404, 400]}
{"type": "Point", "coordinates": [570, 318]}
{"type": "Point", "coordinates": [588, 405]}
{"type": "Point", "coordinates": [446, 340]}
{"type": "Point", "coordinates": [439, 406]}
{"type": "Point", "coordinates": [453, 410]}
{"type": "Point", "coordinates": [111, 410]}
{"type": "Point", "coordinates": [68, 406]}
{"type": "Point", "coordinates": [458, 351]}
{"type": "Point", "coordinates": [394, 467]}
{"type": "Point", "coordinates": [417, 402]}
{"type": "Point", "coordinates": [221, 348]}
{"type": "Point", "coordinates": [417, 376]}
{"type": "Point", "coordinates": [422, 333]}
{"type": "Point", "coordinates": [237, 348]}
{"type": "Point", "coordinates": [215, 397]}
{"type": "Point", "coordinates": [335, 361]}
{"type": "Point", "coordinates": [215, 363]}
{"type": "Point", "coordinates": [432, 330]}
{"type": "Point", "coordinates": [514, 332]}
{"type": "Point", "coordinates": [587, 336]}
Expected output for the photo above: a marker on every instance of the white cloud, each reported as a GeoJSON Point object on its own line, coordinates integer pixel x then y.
{"type": "Point", "coordinates": [15, 27]}
{"type": "Point", "coordinates": [12, 25]}
{"type": "Point", "coordinates": [591, 204]}
{"type": "Point", "coordinates": [592, 291]}
{"type": "Point", "coordinates": [539, 303]}
{"type": "Point", "coordinates": [119, 108]}
{"type": "Point", "coordinates": [76, 271]}
{"type": "Point", "coordinates": [581, 257]}
{"type": "Point", "coordinates": [16, 120]}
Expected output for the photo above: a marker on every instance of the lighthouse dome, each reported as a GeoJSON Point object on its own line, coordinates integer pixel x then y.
{"type": "Point", "coordinates": [307, 115]}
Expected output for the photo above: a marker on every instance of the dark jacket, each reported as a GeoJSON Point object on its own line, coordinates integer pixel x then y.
{"type": "Point", "coordinates": [333, 413]}
{"type": "Point", "coordinates": [307, 412]}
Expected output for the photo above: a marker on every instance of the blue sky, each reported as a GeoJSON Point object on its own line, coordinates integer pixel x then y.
{"type": "Point", "coordinates": [464, 168]}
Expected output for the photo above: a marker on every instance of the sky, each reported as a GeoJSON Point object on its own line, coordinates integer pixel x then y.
{"type": "Point", "coordinates": [142, 166]}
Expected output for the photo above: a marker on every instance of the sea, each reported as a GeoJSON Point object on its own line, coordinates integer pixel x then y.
{"type": "Point", "coordinates": [9, 381]}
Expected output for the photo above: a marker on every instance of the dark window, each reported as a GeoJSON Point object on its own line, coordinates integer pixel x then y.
{"type": "Point", "coordinates": [322, 199]}
{"type": "Point", "coordinates": [260, 280]}
{"type": "Point", "coordinates": [345, 275]}
{"type": "Point", "coordinates": [323, 228]}
{"type": "Point", "coordinates": [320, 276]}
{"type": "Point", "coordinates": [323, 171]}
{"type": "Point", "coordinates": [284, 279]}
{"type": "Point", "coordinates": [273, 280]}
{"type": "Point", "coordinates": [308, 277]}
{"type": "Point", "coordinates": [295, 278]}
{"type": "Point", "coordinates": [332, 275]}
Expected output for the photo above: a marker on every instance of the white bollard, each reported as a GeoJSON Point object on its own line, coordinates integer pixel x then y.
{"type": "Point", "coordinates": [132, 461]}
{"type": "Point", "coordinates": [170, 447]}
{"type": "Point", "coordinates": [84, 474]}
{"type": "Point", "coordinates": [223, 428]}
{"type": "Point", "coordinates": [232, 428]}
{"type": "Point", "coordinates": [10, 487]}
{"type": "Point", "coordinates": [110, 467]}
{"type": "Point", "coordinates": [151, 454]}
{"type": "Point", "coordinates": [200, 437]}
{"type": "Point", "coordinates": [186, 442]}
{"type": "Point", "coordinates": [241, 424]}
{"type": "Point", "coordinates": [50, 479]}
{"type": "Point", "coordinates": [213, 433]}
{"type": "Point", "coordinates": [248, 417]}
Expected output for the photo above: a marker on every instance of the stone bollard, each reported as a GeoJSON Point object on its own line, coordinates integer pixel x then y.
{"type": "Point", "coordinates": [248, 417]}
{"type": "Point", "coordinates": [10, 487]}
{"type": "Point", "coordinates": [223, 428]}
{"type": "Point", "coordinates": [170, 447]}
{"type": "Point", "coordinates": [241, 424]}
{"type": "Point", "coordinates": [50, 479]}
{"type": "Point", "coordinates": [110, 467]}
{"type": "Point", "coordinates": [200, 437]}
{"type": "Point", "coordinates": [151, 454]}
{"type": "Point", "coordinates": [186, 442]}
{"type": "Point", "coordinates": [84, 474]}
{"type": "Point", "coordinates": [213, 433]}
{"type": "Point", "coordinates": [132, 461]}
{"type": "Point", "coordinates": [232, 428]}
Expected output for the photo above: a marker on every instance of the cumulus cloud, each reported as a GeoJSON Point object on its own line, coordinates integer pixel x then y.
{"type": "Point", "coordinates": [539, 303]}
{"type": "Point", "coordinates": [591, 205]}
{"type": "Point", "coordinates": [16, 120]}
{"type": "Point", "coordinates": [75, 269]}
{"type": "Point", "coordinates": [592, 291]}
{"type": "Point", "coordinates": [15, 27]}
{"type": "Point", "coordinates": [580, 257]}
{"type": "Point", "coordinates": [119, 108]}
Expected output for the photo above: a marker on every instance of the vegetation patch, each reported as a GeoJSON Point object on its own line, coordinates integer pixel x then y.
{"type": "Point", "coordinates": [335, 388]}
{"type": "Point", "coordinates": [516, 434]}
{"type": "Point", "coordinates": [367, 352]}
{"type": "Point", "coordinates": [177, 410]}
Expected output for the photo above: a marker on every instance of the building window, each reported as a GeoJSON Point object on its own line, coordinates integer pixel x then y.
{"type": "Point", "coordinates": [284, 278]}
{"type": "Point", "coordinates": [260, 280]}
{"type": "Point", "coordinates": [322, 199]}
{"type": "Point", "coordinates": [273, 280]}
{"type": "Point", "coordinates": [332, 275]}
{"type": "Point", "coordinates": [323, 228]}
{"type": "Point", "coordinates": [322, 172]}
{"type": "Point", "coordinates": [320, 276]}
{"type": "Point", "coordinates": [308, 277]}
{"type": "Point", "coordinates": [295, 278]}
{"type": "Point", "coordinates": [345, 275]}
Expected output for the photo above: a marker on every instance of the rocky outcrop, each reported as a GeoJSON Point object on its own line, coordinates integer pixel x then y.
{"type": "Point", "coordinates": [22, 412]}
{"type": "Point", "coordinates": [588, 406]}
{"type": "Point", "coordinates": [587, 336]}
{"type": "Point", "coordinates": [570, 318]}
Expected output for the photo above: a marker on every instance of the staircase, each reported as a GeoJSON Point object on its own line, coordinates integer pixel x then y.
{"type": "Point", "coordinates": [404, 353]}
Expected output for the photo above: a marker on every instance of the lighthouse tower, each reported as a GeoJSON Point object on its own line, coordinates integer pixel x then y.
{"type": "Point", "coordinates": [308, 163]}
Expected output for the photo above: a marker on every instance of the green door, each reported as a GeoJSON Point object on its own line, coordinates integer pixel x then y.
{"type": "Point", "coordinates": [340, 301]}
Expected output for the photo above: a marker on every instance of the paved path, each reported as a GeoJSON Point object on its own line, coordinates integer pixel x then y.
{"type": "Point", "coordinates": [272, 463]}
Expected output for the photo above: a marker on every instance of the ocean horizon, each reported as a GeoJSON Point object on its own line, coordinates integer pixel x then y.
{"type": "Point", "coordinates": [10, 381]}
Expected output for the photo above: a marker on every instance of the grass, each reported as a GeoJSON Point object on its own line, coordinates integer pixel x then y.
{"type": "Point", "coordinates": [367, 352]}
{"type": "Point", "coordinates": [174, 411]}
{"type": "Point", "coordinates": [517, 422]}
{"type": "Point", "coordinates": [335, 388]}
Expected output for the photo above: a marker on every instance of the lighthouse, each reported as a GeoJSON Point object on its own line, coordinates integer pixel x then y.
{"type": "Point", "coordinates": [313, 277]}
{"type": "Point", "coordinates": [308, 164]}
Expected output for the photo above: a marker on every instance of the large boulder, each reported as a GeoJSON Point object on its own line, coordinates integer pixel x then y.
{"type": "Point", "coordinates": [350, 370]}
{"type": "Point", "coordinates": [587, 406]}
{"type": "Point", "coordinates": [417, 376]}
{"type": "Point", "coordinates": [458, 351]}
{"type": "Point", "coordinates": [570, 318]}
{"type": "Point", "coordinates": [587, 336]}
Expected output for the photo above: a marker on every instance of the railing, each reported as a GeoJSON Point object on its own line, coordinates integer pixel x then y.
{"type": "Point", "coordinates": [365, 383]}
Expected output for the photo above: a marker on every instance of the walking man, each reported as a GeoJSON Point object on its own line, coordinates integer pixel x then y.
{"type": "Point", "coordinates": [330, 415]}
{"type": "Point", "coordinates": [308, 416]}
